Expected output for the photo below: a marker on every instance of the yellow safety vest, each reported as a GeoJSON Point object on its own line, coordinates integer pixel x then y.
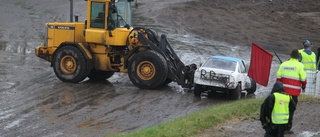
{"type": "Point", "coordinates": [309, 61]}
{"type": "Point", "coordinates": [280, 112]}
{"type": "Point", "coordinates": [292, 74]}
{"type": "Point", "coordinates": [300, 50]}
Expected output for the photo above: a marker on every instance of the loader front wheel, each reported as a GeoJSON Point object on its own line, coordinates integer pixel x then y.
{"type": "Point", "coordinates": [167, 81]}
{"type": "Point", "coordinates": [100, 75]}
{"type": "Point", "coordinates": [148, 69]}
{"type": "Point", "coordinates": [70, 65]}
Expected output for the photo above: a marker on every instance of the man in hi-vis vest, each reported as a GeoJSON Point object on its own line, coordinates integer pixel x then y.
{"type": "Point", "coordinates": [274, 113]}
{"type": "Point", "coordinates": [293, 76]}
{"type": "Point", "coordinates": [308, 57]}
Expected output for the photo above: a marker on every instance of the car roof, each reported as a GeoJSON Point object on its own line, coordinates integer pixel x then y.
{"type": "Point", "coordinates": [227, 58]}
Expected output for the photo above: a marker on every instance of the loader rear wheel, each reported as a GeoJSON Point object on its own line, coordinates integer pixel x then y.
{"type": "Point", "coordinates": [100, 75]}
{"type": "Point", "coordinates": [70, 65]}
{"type": "Point", "coordinates": [148, 69]}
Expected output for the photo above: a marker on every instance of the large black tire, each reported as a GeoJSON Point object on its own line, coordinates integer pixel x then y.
{"type": "Point", "coordinates": [100, 75]}
{"type": "Point", "coordinates": [70, 65]}
{"type": "Point", "coordinates": [148, 69]}
{"type": "Point", "coordinates": [236, 93]}
{"type": "Point", "coordinates": [253, 87]}
{"type": "Point", "coordinates": [197, 90]}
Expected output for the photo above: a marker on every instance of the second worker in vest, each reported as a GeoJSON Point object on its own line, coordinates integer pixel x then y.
{"type": "Point", "coordinates": [274, 113]}
{"type": "Point", "coordinates": [293, 76]}
{"type": "Point", "coordinates": [308, 57]}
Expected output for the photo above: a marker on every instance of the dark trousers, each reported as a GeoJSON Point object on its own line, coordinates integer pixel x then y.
{"type": "Point", "coordinates": [289, 126]}
{"type": "Point", "coordinates": [275, 130]}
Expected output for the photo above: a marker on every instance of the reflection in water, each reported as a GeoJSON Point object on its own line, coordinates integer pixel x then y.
{"type": "Point", "coordinates": [221, 96]}
{"type": "Point", "coordinates": [76, 99]}
{"type": "Point", "coordinates": [66, 98]}
{"type": "Point", "coordinates": [85, 123]}
{"type": "Point", "coordinates": [13, 124]}
{"type": "Point", "coordinates": [5, 46]}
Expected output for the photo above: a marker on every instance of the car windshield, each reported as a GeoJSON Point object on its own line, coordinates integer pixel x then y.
{"type": "Point", "coordinates": [220, 64]}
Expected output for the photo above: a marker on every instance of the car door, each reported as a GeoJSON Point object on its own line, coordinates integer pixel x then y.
{"type": "Point", "coordinates": [243, 74]}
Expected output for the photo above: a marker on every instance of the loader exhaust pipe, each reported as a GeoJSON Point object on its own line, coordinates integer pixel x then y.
{"type": "Point", "coordinates": [71, 10]}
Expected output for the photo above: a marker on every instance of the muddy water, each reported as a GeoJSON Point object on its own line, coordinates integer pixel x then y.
{"type": "Point", "coordinates": [34, 102]}
{"type": "Point", "coordinates": [192, 48]}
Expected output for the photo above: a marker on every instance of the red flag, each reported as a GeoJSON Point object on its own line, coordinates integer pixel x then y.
{"type": "Point", "coordinates": [260, 65]}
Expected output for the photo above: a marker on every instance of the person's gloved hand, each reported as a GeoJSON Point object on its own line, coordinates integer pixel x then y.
{"type": "Point", "coordinates": [303, 89]}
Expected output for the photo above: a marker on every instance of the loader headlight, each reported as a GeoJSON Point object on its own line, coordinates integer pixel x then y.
{"type": "Point", "coordinates": [134, 40]}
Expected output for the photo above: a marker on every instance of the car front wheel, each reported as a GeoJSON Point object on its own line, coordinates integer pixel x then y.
{"type": "Point", "coordinates": [197, 90]}
{"type": "Point", "coordinates": [235, 93]}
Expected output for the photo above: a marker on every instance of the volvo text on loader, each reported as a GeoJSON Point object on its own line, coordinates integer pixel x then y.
{"type": "Point", "coordinates": [106, 43]}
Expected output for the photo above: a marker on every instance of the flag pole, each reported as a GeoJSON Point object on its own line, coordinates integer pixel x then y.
{"type": "Point", "coordinates": [278, 57]}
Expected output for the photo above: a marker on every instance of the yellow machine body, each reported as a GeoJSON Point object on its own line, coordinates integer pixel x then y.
{"type": "Point", "coordinates": [106, 43]}
{"type": "Point", "coordinates": [93, 37]}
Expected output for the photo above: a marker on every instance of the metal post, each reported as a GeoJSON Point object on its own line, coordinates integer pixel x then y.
{"type": "Point", "coordinates": [71, 10]}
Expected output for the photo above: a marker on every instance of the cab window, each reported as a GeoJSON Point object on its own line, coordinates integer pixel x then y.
{"type": "Point", "coordinates": [97, 15]}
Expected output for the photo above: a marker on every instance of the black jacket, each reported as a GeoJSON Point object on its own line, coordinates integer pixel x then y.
{"type": "Point", "coordinates": [267, 106]}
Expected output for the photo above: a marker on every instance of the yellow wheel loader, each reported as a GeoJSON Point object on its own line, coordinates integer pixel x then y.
{"type": "Point", "coordinates": [106, 43]}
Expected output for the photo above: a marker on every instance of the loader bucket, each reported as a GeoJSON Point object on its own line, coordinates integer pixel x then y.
{"type": "Point", "coordinates": [178, 71]}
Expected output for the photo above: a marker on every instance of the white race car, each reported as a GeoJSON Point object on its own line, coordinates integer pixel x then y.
{"type": "Point", "coordinates": [223, 74]}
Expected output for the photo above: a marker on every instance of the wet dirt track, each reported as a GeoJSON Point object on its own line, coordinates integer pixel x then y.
{"type": "Point", "coordinates": [34, 102]}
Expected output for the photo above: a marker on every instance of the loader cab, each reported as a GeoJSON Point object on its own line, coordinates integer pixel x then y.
{"type": "Point", "coordinates": [117, 15]}
{"type": "Point", "coordinates": [97, 16]}
{"type": "Point", "coordinates": [107, 18]}
{"type": "Point", "coordinates": [124, 10]}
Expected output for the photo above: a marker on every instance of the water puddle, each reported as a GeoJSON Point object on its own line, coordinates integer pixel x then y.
{"type": "Point", "coordinates": [13, 124]}
{"type": "Point", "coordinates": [6, 114]}
{"type": "Point", "coordinates": [6, 85]}
{"type": "Point", "coordinates": [5, 46]}
{"type": "Point", "coordinates": [309, 134]}
{"type": "Point", "coordinates": [34, 17]}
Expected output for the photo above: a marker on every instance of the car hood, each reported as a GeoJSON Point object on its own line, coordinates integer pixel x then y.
{"type": "Point", "coordinates": [217, 71]}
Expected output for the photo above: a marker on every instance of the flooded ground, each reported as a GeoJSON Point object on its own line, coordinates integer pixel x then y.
{"type": "Point", "coordinates": [34, 102]}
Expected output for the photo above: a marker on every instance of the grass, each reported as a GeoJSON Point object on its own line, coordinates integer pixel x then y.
{"type": "Point", "coordinates": [197, 122]}
{"type": "Point", "coordinates": [308, 98]}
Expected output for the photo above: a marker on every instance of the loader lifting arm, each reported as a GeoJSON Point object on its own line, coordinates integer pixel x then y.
{"type": "Point", "coordinates": [177, 70]}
